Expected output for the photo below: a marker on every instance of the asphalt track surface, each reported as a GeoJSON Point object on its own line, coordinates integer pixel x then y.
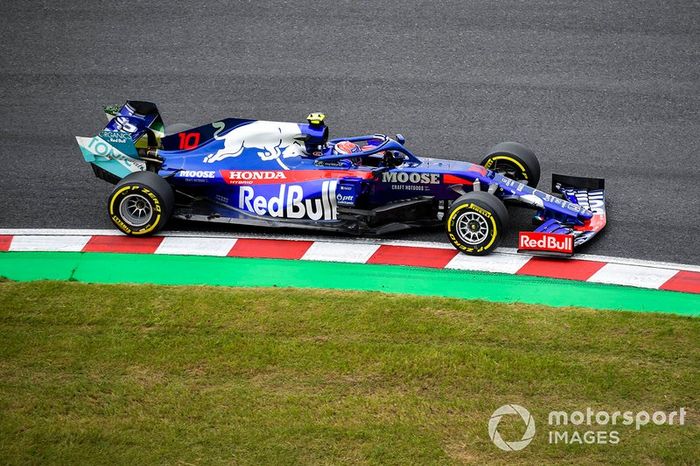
{"type": "Point", "coordinates": [596, 88]}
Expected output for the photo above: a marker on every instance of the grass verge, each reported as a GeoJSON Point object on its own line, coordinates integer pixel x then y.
{"type": "Point", "coordinates": [150, 374]}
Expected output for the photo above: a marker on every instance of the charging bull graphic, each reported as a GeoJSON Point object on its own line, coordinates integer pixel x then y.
{"type": "Point", "coordinates": [271, 139]}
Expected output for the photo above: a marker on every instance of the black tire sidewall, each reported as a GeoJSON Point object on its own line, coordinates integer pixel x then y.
{"type": "Point", "coordinates": [156, 190]}
{"type": "Point", "coordinates": [518, 155]}
{"type": "Point", "coordinates": [158, 209]}
{"type": "Point", "coordinates": [494, 221]}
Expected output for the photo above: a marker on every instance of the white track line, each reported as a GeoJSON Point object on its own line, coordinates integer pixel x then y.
{"type": "Point", "coordinates": [64, 243]}
{"type": "Point", "coordinates": [195, 246]}
{"type": "Point", "coordinates": [501, 263]}
{"type": "Point", "coordinates": [632, 275]}
{"type": "Point", "coordinates": [335, 252]}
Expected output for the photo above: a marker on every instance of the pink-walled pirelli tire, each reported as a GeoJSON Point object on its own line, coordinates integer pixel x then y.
{"type": "Point", "coordinates": [475, 223]}
{"type": "Point", "coordinates": [141, 204]}
{"type": "Point", "coordinates": [515, 161]}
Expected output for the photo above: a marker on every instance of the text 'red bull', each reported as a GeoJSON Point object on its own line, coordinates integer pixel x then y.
{"type": "Point", "coordinates": [546, 242]}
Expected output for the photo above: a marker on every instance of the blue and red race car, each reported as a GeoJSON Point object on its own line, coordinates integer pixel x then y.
{"type": "Point", "coordinates": [276, 174]}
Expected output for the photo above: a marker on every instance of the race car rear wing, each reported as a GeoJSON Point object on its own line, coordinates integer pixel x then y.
{"type": "Point", "coordinates": [130, 129]}
{"type": "Point", "coordinates": [137, 118]}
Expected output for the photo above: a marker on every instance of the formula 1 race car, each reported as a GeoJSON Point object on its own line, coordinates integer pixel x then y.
{"type": "Point", "coordinates": [277, 174]}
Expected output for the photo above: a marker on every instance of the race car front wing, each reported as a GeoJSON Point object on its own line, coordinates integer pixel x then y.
{"type": "Point", "coordinates": [559, 236]}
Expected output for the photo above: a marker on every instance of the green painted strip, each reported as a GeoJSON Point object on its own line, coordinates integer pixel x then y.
{"type": "Point", "coordinates": [194, 270]}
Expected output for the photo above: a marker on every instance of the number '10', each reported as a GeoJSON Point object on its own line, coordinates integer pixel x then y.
{"type": "Point", "coordinates": [188, 140]}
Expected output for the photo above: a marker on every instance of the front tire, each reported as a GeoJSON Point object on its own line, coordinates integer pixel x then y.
{"type": "Point", "coordinates": [515, 161]}
{"type": "Point", "coordinates": [475, 223]}
{"type": "Point", "coordinates": [141, 204]}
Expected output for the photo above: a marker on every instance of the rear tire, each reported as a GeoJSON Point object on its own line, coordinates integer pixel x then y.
{"type": "Point", "coordinates": [475, 223]}
{"type": "Point", "coordinates": [514, 161]}
{"type": "Point", "coordinates": [141, 204]}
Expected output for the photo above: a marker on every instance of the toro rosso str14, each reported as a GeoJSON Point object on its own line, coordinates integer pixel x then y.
{"type": "Point", "coordinates": [277, 174]}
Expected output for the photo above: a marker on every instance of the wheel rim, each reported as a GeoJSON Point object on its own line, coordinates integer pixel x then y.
{"type": "Point", "coordinates": [473, 228]}
{"type": "Point", "coordinates": [509, 170]}
{"type": "Point", "coordinates": [135, 210]}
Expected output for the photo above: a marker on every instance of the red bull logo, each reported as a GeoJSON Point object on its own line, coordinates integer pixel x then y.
{"type": "Point", "coordinates": [291, 202]}
{"type": "Point", "coordinates": [545, 242]}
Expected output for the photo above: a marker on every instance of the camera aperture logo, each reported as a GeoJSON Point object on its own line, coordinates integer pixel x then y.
{"type": "Point", "coordinates": [509, 410]}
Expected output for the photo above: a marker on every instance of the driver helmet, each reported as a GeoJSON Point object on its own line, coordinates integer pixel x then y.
{"type": "Point", "coordinates": [372, 146]}
{"type": "Point", "coordinates": [346, 147]}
